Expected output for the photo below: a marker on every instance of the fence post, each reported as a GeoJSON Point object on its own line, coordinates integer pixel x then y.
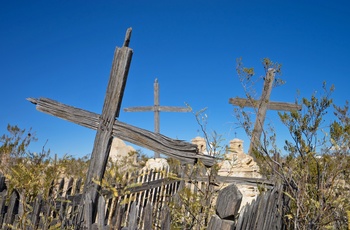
{"type": "Point", "coordinates": [3, 196]}
{"type": "Point", "coordinates": [36, 211]}
{"type": "Point", "coordinates": [132, 224]}
{"type": "Point", "coordinates": [88, 212]}
{"type": "Point", "coordinates": [147, 216]}
{"type": "Point", "coordinates": [101, 213]}
{"type": "Point", "coordinates": [12, 208]}
{"type": "Point", "coordinates": [2, 183]}
{"type": "Point", "coordinates": [165, 224]}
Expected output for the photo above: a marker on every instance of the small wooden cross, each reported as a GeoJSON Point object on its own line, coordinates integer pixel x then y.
{"type": "Point", "coordinates": [156, 108]}
{"type": "Point", "coordinates": [262, 106]}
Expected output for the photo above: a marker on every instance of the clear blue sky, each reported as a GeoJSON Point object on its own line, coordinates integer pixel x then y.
{"type": "Point", "coordinates": [63, 50]}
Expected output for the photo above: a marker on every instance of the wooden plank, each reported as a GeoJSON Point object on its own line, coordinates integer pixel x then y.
{"type": "Point", "coordinates": [101, 212]}
{"type": "Point", "coordinates": [3, 196]}
{"type": "Point", "coordinates": [281, 106]}
{"type": "Point", "coordinates": [174, 109]}
{"type": "Point", "coordinates": [35, 218]}
{"type": "Point", "coordinates": [2, 182]}
{"type": "Point", "coordinates": [132, 224]}
{"type": "Point", "coordinates": [119, 215]}
{"type": "Point", "coordinates": [262, 109]}
{"type": "Point", "coordinates": [152, 184]}
{"type": "Point", "coordinates": [139, 109]}
{"type": "Point", "coordinates": [160, 108]}
{"type": "Point", "coordinates": [165, 223]}
{"type": "Point", "coordinates": [147, 216]}
{"type": "Point", "coordinates": [111, 109]}
{"type": "Point", "coordinates": [88, 213]}
{"type": "Point", "coordinates": [12, 209]}
{"type": "Point", "coordinates": [231, 179]}
{"type": "Point", "coordinates": [185, 152]}
{"type": "Point", "coordinates": [156, 110]}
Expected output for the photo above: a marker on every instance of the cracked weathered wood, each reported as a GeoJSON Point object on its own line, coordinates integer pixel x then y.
{"type": "Point", "coordinates": [280, 106]}
{"type": "Point", "coordinates": [111, 108]}
{"type": "Point", "coordinates": [183, 151]}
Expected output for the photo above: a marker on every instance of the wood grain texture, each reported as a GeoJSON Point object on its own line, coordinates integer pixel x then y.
{"type": "Point", "coordinates": [183, 151]}
{"type": "Point", "coordinates": [111, 108]}
{"type": "Point", "coordinates": [280, 106]}
{"type": "Point", "coordinates": [262, 109]}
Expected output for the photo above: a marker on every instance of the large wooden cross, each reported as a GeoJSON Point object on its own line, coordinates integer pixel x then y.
{"type": "Point", "coordinates": [156, 108]}
{"type": "Point", "coordinates": [107, 127]}
{"type": "Point", "coordinates": [262, 106]}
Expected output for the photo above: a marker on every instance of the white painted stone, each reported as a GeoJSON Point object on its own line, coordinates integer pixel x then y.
{"type": "Point", "coordinates": [237, 163]}
{"type": "Point", "coordinates": [156, 164]}
{"type": "Point", "coordinates": [201, 143]}
{"type": "Point", "coordinates": [120, 152]}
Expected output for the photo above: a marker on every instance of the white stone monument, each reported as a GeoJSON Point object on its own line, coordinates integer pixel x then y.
{"type": "Point", "coordinates": [201, 143]}
{"type": "Point", "coordinates": [120, 152]}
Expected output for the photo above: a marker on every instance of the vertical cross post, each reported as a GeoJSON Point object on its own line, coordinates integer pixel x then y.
{"type": "Point", "coordinates": [262, 109]}
{"type": "Point", "coordinates": [111, 109]}
{"type": "Point", "coordinates": [156, 108]}
{"type": "Point", "coordinates": [262, 105]}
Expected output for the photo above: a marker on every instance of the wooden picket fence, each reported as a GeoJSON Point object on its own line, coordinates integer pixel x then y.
{"type": "Point", "coordinates": [140, 201]}
{"type": "Point", "coordinates": [141, 205]}
{"type": "Point", "coordinates": [266, 212]}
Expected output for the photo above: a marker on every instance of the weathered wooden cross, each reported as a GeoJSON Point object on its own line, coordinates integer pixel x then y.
{"type": "Point", "coordinates": [107, 126]}
{"type": "Point", "coordinates": [156, 108]}
{"type": "Point", "coordinates": [262, 106]}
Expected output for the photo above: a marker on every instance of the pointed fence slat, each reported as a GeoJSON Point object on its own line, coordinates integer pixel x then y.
{"type": "Point", "coordinates": [151, 193]}
{"type": "Point", "coordinates": [2, 183]}
{"type": "Point", "coordinates": [147, 218]}
{"type": "Point", "coordinates": [3, 196]}
{"type": "Point", "coordinates": [101, 212]}
{"type": "Point", "coordinates": [132, 224]}
{"type": "Point", "coordinates": [12, 209]}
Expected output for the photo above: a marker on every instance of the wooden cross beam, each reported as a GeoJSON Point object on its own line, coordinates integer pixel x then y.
{"type": "Point", "coordinates": [183, 151]}
{"type": "Point", "coordinates": [156, 108]}
{"type": "Point", "coordinates": [262, 106]}
{"type": "Point", "coordinates": [107, 126]}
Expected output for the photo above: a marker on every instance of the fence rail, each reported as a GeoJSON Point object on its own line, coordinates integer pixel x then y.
{"type": "Point", "coordinates": [139, 201]}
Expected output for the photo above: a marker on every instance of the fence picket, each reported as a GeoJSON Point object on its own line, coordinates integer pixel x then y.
{"type": "Point", "coordinates": [88, 212]}
{"type": "Point", "coordinates": [165, 214]}
{"type": "Point", "coordinates": [12, 209]}
{"type": "Point", "coordinates": [147, 216]}
{"type": "Point", "coordinates": [101, 212]}
{"type": "Point", "coordinates": [142, 205]}
{"type": "Point", "coordinates": [36, 211]}
{"type": "Point", "coordinates": [132, 224]}
{"type": "Point", "coordinates": [2, 182]}
{"type": "Point", "coordinates": [3, 196]}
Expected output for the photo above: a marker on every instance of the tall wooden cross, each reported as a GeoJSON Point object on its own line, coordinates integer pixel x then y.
{"type": "Point", "coordinates": [156, 108]}
{"type": "Point", "coordinates": [107, 127]}
{"type": "Point", "coordinates": [262, 106]}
